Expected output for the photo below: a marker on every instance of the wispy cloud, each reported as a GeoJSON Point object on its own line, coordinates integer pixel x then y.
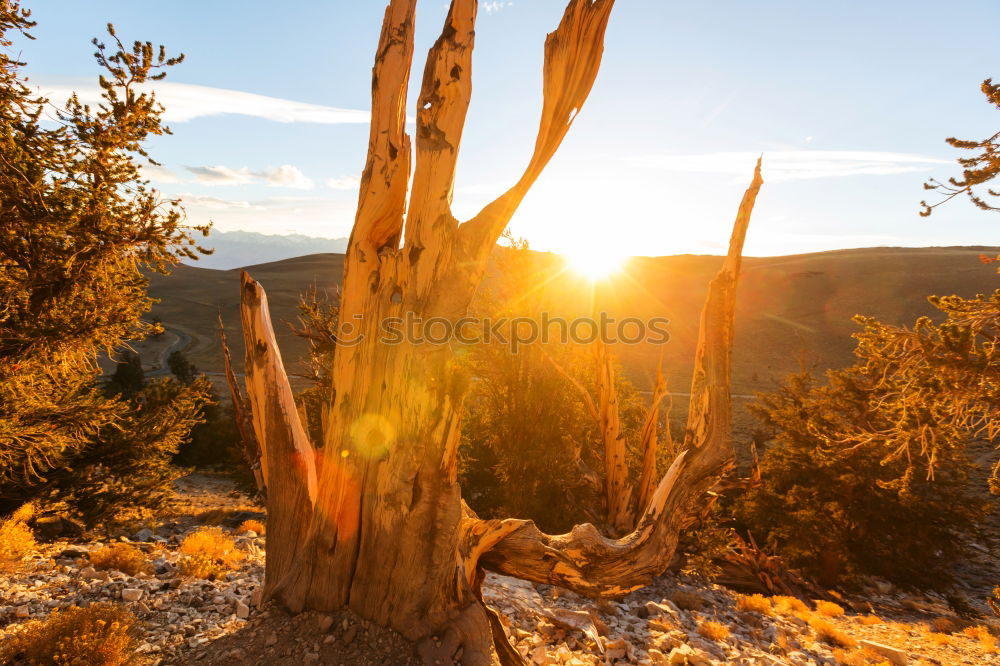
{"type": "Point", "coordinates": [343, 183]}
{"type": "Point", "coordinates": [221, 175]}
{"type": "Point", "coordinates": [285, 175]}
{"type": "Point", "coordinates": [214, 203]}
{"type": "Point", "coordinates": [795, 164]}
{"type": "Point", "coordinates": [303, 214]}
{"type": "Point", "coordinates": [186, 101]}
{"type": "Point", "coordinates": [159, 174]}
{"type": "Point", "coordinates": [492, 6]}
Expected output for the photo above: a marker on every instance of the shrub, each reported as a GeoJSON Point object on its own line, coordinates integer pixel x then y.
{"type": "Point", "coordinates": [122, 557]}
{"type": "Point", "coordinates": [210, 553]}
{"type": "Point", "coordinates": [835, 509]}
{"type": "Point", "coordinates": [129, 467]}
{"type": "Point", "coordinates": [982, 634]}
{"type": "Point", "coordinates": [200, 566]}
{"type": "Point", "coordinates": [756, 603]}
{"type": "Point", "coordinates": [829, 609]}
{"type": "Point", "coordinates": [845, 658]}
{"type": "Point", "coordinates": [99, 635]}
{"type": "Point", "coordinates": [251, 526]}
{"type": "Point", "coordinates": [788, 605]}
{"type": "Point", "coordinates": [828, 632]}
{"type": "Point", "coordinates": [869, 619]}
{"type": "Point", "coordinates": [715, 631]}
{"type": "Point", "coordinates": [16, 538]}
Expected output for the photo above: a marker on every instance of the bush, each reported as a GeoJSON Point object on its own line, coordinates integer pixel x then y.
{"type": "Point", "coordinates": [789, 605]}
{"type": "Point", "coordinates": [129, 467]}
{"type": "Point", "coordinates": [829, 609]}
{"type": "Point", "coordinates": [756, 603]}
{"type": "Point", "coordinates": [121, 557]}
{"type": "Point", "coordinates": [837, 510]}
{"type": "Point", "coordinates": [210, 553]}
{"type": "Point", "coordinates": [987, 641]}
{"type": "Point", "coordinates": [828, 632]}
{"type": "Point", "coordinates": [715, 631]}
{"type": "Point", "coordinates": [251, 526]}
{"type": "Point", "coordinates": [99, 635]}
{"type": "Point", "coordinates": [16, 538]}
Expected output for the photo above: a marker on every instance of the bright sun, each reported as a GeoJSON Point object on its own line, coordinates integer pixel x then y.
{"type": "Point", "coordinates": [595, 263]}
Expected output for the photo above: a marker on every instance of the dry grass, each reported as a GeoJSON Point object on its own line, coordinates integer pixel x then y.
{"type": "Point", "coordinates": [788, 605]}
{"type": "Point", "coordinates": [209, 552]}
{"type": "Point", "coordinates": [122, 557]}
{"type": "Point", "coordinates": [869, 619]}
{"type": "Point", "coordinates": [987, 641]}
{"type": "Point", "coordinates": [689, 601]}
{"type": "Point", "coordinates": [829, 609]}
{"type": "Point", "coordinates": [99, 635]}
{"type": "Point", "coordinates": [715, 631]}
{"type": "Point", "coordinates": [16, 538]}
{"type": "Point", "coordinates": [756, 603]}
{"type": "Point", "coordinates": [827, 632]}
{"type": "Point", "coordinates": [200, 566]}
{"type": "Point", "coordinates": [251, 526]}
{"type": "Point", "coordinates": [940, 639]}
{"type": "Point", "coordinates": [846, 658]}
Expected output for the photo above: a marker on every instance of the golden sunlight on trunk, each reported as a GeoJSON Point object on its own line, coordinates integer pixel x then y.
{"type": "Point", "coordinates": [373, 520]}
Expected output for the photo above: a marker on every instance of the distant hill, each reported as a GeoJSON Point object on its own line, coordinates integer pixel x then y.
{"type": "Point", "coordinates": [244, 248]}
{"type": "Point", "coordinates": [791, 309]}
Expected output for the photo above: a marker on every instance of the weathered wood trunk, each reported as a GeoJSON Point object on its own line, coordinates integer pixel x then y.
{"type": "Point", "coordinates": [373, 520]}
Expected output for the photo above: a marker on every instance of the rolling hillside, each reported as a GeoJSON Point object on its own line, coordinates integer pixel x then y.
{"type": "Point", "coordinates": [791, 309]}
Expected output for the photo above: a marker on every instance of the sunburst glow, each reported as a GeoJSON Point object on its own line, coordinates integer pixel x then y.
{"type": "Point", "coordinates": [595, 262]}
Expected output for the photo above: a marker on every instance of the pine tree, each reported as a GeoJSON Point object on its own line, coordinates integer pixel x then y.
{"type": "Point", "coordinates": [976, 170]}
{"type": "Point", "coordinates": [78, 226]}
{"type": "Point", "coordinates": [837, 508]}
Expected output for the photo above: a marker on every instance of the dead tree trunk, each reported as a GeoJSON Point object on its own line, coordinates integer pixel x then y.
{"type": "Point", "coordinates": [374, 520]}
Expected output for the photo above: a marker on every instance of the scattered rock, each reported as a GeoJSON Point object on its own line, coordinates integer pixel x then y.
{"type": "Point", "coordinates": [325, 622]}
{"type": "Point", "coordinates": [131, 594]}
{"type": "Point", "coordinates": [896, 656]}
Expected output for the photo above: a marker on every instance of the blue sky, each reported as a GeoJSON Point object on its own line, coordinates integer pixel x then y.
{"type": "Point", "coordinates": [849, 102]}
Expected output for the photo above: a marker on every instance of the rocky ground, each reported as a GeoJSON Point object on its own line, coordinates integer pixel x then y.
{"type": "Point", "coordinates": [221, 622]}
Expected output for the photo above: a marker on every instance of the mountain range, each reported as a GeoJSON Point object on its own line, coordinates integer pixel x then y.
{"type": "Point", "coordinates": [232, 249]}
